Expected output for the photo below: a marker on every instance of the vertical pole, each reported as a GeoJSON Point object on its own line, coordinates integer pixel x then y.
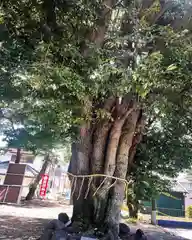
{"type": "Point", "coordinates": [53, 183]}
{"type": "Point", "coordinates": [153, 212]}
{"type": "Point", "coordinates": [18, 156]}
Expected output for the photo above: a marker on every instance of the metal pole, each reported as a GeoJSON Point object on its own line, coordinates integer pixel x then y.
{"type": "Point", "coordinates": [18, 156]}
{"type": "Point", "coordinates": [153, 212]}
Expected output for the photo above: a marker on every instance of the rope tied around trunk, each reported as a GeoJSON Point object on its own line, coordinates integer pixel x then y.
{"type": "Point", "coordinates": [74, 186]}
{"type": "Point", "coordinates": [99, 187]}
{"type": "Point", "coordinates": [89, 185]}
{"type": "Point", "coordinates": [90, 177]}
{"type": "Point", "coordinates": [80, 189]}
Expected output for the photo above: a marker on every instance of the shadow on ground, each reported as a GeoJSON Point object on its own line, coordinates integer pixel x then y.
{"type": "Point", "coordinates": [37, 203]}
{"type": "Point", "coordinates": [17, 228]}
{"type": "Point", "coordinates": [26, 228]}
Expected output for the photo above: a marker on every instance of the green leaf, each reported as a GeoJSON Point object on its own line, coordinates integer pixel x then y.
{"type": "Point", "coordinates": [171, 67]}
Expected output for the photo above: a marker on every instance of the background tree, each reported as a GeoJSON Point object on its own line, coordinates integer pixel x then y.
{"type": "Point", "coordinates": [33, 187]}
{"type": "Point", "coordinates": [163, 153]}
{"type": "Point", "coordinates": [101, 71]}
{"type": "Point", "coordinates": [145, 188]}
{"type": "Point", "coordinates": [23, 131]}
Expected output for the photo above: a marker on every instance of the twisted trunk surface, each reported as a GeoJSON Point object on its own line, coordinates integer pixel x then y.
{"type": "Point", "coordinates": [104, 150]}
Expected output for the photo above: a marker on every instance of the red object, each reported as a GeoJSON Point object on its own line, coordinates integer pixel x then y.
{"type": "Point", "coordinates": [44, 185]}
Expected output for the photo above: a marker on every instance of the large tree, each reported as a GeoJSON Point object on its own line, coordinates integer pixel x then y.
{"type": "Point", "coordinates": [103, 70]}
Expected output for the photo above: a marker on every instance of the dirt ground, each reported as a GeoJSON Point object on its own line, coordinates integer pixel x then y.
{"type": "Point", "coordinates": [27, 221]}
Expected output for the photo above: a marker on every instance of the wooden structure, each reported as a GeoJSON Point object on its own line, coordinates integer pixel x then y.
{"type": "Point", "coordinates": [10, 191]}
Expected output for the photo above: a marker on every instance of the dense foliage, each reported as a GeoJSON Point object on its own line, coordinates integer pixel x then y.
{"type": "Point", "coordinates": [61, 61]}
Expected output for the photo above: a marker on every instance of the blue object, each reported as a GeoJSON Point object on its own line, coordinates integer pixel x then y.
{"type": "Point", "coordinates": [175, 224]}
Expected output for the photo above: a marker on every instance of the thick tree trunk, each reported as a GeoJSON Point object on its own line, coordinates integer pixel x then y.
{"type": "Point", "coordinates": [125, 143]}
{"type": "Point", "coordinates": [31, 192]}
{"type": "Point", "coordinates": [34, 185]}
{"type": "Point", "coordinates": [79, 165]}
{"type": "Point", "coordinates": [100, 138]}
{"type": "Point", "coordinates": [97, 200]}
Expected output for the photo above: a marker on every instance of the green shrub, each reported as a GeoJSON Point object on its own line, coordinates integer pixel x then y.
{"type": "Point", "coordinates": [189, 211]}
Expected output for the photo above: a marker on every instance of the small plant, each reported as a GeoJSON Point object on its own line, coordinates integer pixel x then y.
{"type": "Point", "coordinates": [132, 220]}
{"type": "Point", "coordinates": [189, 211]}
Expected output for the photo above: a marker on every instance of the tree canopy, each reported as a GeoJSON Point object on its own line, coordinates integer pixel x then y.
{"type": "Point", "coordinates": [47, 71]}
{"type": "Point", "coordinates": [119, 70]}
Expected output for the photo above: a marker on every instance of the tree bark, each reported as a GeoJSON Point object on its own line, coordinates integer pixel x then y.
{"type": "Point", "coordinates": [34, 185]}
{"type": "Point", "coordinates": [133, 210]}
{"type": "Point", "coordinates": [136, 140]}
{"type": "Point", "coordinates": [125, 143]}
{"type": "Point", "coordinates": [106, 152]}
{"type": "Point", "coordinates": [103, 203]}
{"type": "Point", "coordinates": [100, 138]}
{"type": "Point", "coordinates": [80, 166]}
